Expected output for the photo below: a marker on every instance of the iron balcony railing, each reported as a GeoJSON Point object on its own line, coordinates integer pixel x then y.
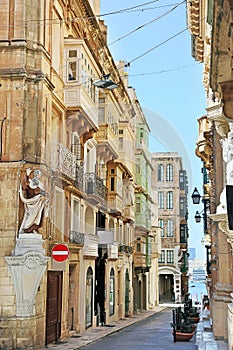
{"type": "Point", "coordinates": [79, 183]}
{"type": "Point", "coordinates": [63, 160]}
{"type": "Point", "coordinates": [76, 237]}
{"type": "Point", "coordinates": [94, 185]}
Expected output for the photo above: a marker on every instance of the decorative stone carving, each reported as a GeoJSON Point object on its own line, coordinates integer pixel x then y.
{"type": "Point", "coordinates": [215, 113]}
{"type": "Point", "coordinates": [26, 266]}
{"type": "Point", "coordinates": [227, 146]}
{"type": "Point", "coordinates": [26, 272]}
{"type": "Point", "coordinates": [222, 220]}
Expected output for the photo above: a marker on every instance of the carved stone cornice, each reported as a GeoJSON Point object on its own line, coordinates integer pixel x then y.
{"type": "Point", "coordinates": [223, 292]}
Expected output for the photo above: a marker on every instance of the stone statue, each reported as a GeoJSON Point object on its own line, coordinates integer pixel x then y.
{"type": "Point", "coordinates": [35, 201]}
{"type": "Point", "coordinates": [227, 146]}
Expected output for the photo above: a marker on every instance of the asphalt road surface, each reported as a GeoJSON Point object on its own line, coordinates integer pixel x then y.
{"type": "Point", "coordinates": [153, 333]}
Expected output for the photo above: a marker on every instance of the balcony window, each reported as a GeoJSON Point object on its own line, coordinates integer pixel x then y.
{"type": "Point", "coordinates": [182, 177]}
{"type": "Point", "coordinates": [183, 234]}
{"type": "Point", "coordinates": [138, 207]}
{"type": "Point", "coordinates": [72, 65]}
{"type": "Point", "coordinates": [182, 206]}
{"type": "Point", "coordinates": [138, 170]}
{"type": "Point", "coordinates": [120, 143]}
{"type": "Point", "coordinates": [112, 184]}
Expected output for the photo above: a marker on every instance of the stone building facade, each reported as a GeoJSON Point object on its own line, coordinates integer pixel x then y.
{"type": "Point", "coordinates": [210, 24]}
{"type": "Point", "coordinates": [169, 182]}
{"type": "Point", "coordinates": [66, 176]}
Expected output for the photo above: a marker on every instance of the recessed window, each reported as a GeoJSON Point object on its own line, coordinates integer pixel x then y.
{"type": "Point", "coordinates": [169, 172]}
{"type": "Point", "coordinates": [161, 200]}
{"type": "Point", "coordinates": [161, 225]}
{"type": "Point", "coordinates": [170, 200]}
{"type": "Point", "coordinates": [162, 257]}
{"type": "Point", "coordinates": [170, 256]}
{"type": "Point", "coordinates": [160, 172]}
{"type": "Point", "coordinates": [170, 228]}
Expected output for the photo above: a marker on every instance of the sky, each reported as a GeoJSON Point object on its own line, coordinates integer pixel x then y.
{"type": "Point", "coordinates": [155, 40]}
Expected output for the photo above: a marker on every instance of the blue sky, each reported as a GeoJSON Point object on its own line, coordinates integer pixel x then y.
{"type": "Point", "coordinates": [167, 80]}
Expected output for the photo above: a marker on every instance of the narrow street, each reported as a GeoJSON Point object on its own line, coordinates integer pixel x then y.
{"type": "Point", "coordinates": [152, 333]}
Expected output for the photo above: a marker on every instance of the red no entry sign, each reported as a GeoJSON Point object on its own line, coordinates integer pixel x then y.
{"type": "Point", "coordinates": [60, 252]}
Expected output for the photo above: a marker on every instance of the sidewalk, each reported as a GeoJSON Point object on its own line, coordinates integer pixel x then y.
{"type": "Point", "coordinates": [204, 335]}
{"type": "Point", "coordinates": [77, 340]}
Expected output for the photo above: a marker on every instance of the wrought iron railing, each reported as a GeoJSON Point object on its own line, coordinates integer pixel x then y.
{"type": "Point", "coordinates": [94, 185]}
{"type": "Point", "coordinates": [66, 161]}
{"type": "Point", "coordinates": [79, 183]}
{"type": "Point", "coordinates": [76, 237]}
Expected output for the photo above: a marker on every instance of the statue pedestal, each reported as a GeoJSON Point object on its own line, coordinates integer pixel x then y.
{"type": "Point", "coordinates": [27, 266]}
{"type": "Point", "coordinates": [28, 242]}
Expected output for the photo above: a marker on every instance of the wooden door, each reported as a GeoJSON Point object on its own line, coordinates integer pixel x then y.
{"type": "Point", "coordinates": [54, 306]}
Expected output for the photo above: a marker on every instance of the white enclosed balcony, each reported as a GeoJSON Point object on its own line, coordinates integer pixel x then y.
{"type": "Point", "coordinates": [80, 71]}
{"type": "Point", "coordinates": [106, 241]}
{"type": "Point", "coordinates": [90, 245]}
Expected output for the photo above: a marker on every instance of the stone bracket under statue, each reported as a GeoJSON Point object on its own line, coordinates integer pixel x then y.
{"type": "Point", "coordinates": [27, 266]}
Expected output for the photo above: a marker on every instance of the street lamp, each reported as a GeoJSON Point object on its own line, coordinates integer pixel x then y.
{"type": "Point", "coordinates": [105, 83]}
{"type": "Point", "coordinates": [196, 196]}
{"type": "Point", "coordinates": [197, 216]}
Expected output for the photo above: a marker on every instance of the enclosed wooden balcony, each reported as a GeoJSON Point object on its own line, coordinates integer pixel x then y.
{"type": "Point", "coordinates": [115, 204]}
{"type": "Point", "coordinates": [140, 260]}
{"type": "Point", "coordinates": [128, 212]}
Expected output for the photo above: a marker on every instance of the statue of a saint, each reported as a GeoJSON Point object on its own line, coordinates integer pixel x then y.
{"type": "Point", "coordinates": [227, 146]}
{"type": "Point", "coordinates": [35, 201]}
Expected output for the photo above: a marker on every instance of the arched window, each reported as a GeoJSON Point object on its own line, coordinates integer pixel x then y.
{"type": "Point", "coordinates": [160, 172]}
{"type": "Point", "coordinates": [169, 172]}
{"type": "Point", "coordinates": [161, 200]}
{"type": "Point", "coordinates": [112, 292]}
{"type": "Point", "coordinates": [170, 200]}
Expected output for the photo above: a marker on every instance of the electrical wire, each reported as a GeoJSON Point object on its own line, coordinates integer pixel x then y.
{"type": "Point", "coordinates": [128, 8]}
{"type": "Point", "coordinates": [156, 46]}
{"type": "Point", "coordinates": [165, 70]}
{"type": "Point", "coordinates": [147, 23]}
{"type": "Point", "coordinates": [49, 20]}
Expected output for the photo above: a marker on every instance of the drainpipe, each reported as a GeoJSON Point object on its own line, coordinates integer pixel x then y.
{"type": "Point", "coordinates": [1, 137]}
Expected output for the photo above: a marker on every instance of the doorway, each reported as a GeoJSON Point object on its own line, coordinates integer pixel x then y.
{"type": "Point", "coordinates": [53, 306]}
